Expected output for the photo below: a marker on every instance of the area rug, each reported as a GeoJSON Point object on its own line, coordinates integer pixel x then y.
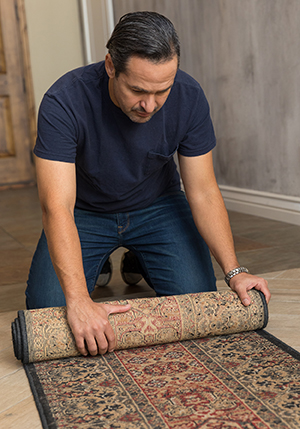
{"type": "Point", "coordinates": [44, 334]}
{"type": "Point", "coordinates": [188, 361]}
{"type": "Point", "coordinates": [246, 380]}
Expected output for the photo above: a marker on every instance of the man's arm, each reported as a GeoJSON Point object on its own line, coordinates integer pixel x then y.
{"type": "Point", "coordinates": [211, 219]}
{"type": "Point", "coordinates": [87, 319]}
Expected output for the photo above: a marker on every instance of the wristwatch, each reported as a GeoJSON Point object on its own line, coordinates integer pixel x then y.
{"type": "Point", "coordinates": [234, 272]}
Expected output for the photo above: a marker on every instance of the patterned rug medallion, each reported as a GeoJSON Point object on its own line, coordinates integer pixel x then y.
{"type": "Point", "coordinates": [235, 379]}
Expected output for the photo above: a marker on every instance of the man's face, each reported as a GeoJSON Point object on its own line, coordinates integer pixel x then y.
{"type": "Point", "coordinates": [143, 88]}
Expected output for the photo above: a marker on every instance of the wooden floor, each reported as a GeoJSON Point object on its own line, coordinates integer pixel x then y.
{"type": "Point", "coordinates": [266, 247]}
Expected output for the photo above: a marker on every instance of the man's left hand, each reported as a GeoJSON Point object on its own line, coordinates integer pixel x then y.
{"type": "Point", "coordinates": [243, 282]}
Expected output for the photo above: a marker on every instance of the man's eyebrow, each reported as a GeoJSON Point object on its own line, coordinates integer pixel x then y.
{"type": "Point", "coordinates": [137, 88]}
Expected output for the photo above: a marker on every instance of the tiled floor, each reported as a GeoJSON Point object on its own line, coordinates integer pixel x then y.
{"type": "Point", "coordinates": [266, 247]}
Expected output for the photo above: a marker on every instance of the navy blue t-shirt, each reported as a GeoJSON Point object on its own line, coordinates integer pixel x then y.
{"type": "Point", "coordinates": [120, 165]}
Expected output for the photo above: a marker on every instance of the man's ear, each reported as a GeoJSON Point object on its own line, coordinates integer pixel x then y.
{"type": "Point", "coordinates": [109, 66]}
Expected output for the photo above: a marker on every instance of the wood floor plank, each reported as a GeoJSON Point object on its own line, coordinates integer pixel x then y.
{"type": "Point", "coordinates": [13, 389]}
{"type": "Point", "coordinates": [23, 415]}
{"type": "Point", "coordinates": [8, 363]}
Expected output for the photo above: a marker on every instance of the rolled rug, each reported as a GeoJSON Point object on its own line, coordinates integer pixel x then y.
{"type": "Point", "coordinates": [44, 334]}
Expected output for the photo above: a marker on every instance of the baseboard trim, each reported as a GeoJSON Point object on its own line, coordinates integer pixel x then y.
{"type": "Point", "coordinates": [264, 204]}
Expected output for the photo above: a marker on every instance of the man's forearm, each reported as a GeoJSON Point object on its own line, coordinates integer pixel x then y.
{"type": "Point", "coordinates": [211, 219]}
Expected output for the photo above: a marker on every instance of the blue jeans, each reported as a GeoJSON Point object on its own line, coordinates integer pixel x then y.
{"type": "Point", "coordinates": [173, 255]}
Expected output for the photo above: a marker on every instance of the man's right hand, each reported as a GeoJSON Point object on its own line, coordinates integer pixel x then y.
{"type": "Point", "coordinates": [89, 323]}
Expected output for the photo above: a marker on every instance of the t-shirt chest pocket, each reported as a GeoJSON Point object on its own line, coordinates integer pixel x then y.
{"type": "Point", "coordinates": [156, 161]}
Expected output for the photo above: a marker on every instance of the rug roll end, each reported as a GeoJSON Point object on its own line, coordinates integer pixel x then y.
{"type": "Point", "coordinates": [266, 310]}
{"type": "Point", "coordinates": [19, 338]}
{"type": "Point", "coordinates": [16, 338]}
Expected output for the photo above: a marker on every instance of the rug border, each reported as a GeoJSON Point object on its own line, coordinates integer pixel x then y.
{"type": "Point", "coordinates": [283, 346]}
{"type": "Point", "coordinates": [40, 398]}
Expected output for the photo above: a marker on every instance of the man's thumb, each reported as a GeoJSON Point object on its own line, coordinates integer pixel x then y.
{"type": "Point", "coordinates": [246, 300]}
{"type": "Point", "coordinates": [118, 308]}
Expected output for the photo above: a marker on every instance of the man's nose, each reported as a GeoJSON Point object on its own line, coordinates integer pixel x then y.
{"type": "Point", "coordinates": [148, 103]}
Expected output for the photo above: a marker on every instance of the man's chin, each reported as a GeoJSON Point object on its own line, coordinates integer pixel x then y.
{"type": "Point", "coordinates": [139, 118]}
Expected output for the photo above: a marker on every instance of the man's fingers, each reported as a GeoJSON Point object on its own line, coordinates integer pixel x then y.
{"type": "Point", "coordinates": [265, 290]}
{"type": "Point", "coordinates": [243, 283]}
{"type": "Point", "coordinates": [92, 345]}
{"type": "Point", "coordinates": [106, 342]}
{"type": "Point", "coordinates": [267, 296]}
{"type": "Point", "coordinates": [80, 344]}
{"type": "Point", "coordinates": [111, 309]}
{"type": "Point", "coordinates": [99, 342]}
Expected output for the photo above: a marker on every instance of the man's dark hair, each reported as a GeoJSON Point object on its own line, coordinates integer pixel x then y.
{"type": "Point", "coordinates": [146, 35]}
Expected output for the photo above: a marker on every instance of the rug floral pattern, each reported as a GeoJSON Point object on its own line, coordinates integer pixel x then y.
{"type": "Point", "coordinates": [233, 381]}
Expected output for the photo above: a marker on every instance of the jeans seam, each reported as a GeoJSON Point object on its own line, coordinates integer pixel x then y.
{"type": "Point", "coordinates": [121, 231]}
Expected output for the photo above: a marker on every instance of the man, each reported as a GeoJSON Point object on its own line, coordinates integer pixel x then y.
{"type": "Point", "coordinates": [107, 134]}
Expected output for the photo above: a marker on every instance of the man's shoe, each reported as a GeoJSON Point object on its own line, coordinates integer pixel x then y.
{"type": "Point", "coordinates": [105, 275]}
{"type": "Point", "coordinates": [130, 268]}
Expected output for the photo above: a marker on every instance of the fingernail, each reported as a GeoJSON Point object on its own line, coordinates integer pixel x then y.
{"type": "Point", "coordinates": [246, 301]}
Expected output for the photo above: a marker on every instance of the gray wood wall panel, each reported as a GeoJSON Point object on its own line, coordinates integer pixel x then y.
{"type": "Point", "coordinates": [246, 56]}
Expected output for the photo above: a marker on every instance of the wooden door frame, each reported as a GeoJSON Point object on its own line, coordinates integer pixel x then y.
{"type": "Point", "coordinates": [28, 83]}
{"type": "Point", "coordinates": [27, 93]}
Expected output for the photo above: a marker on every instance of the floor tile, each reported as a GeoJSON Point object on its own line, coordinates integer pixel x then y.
{"type": "Point", "coordinates": [13, 389]}
{"type": "Point", "coordinates": [7, 242]}
{"type": "Point", "coordinates": [8, 363]}
{"type": "Point", "coordinates": [5, 329]}
{"type": "Point", "coordinates": [272, 275]}
{"type": "Point", "coordinates": [14, 257]}
{"type": "Point", "coordinates": [14, 274]}
{"type": "Point", "coordinates": [287, 235]}
{"type": "Point", "coordinates": [23, 415]}
{"type": "Point", "coordinates": [293, 274]}
{"type": "Point", "coordinates": [242, 244]}
{"type": "Point", "coordinates": [283, 309]}
{"type": "Point", "coordinates": [253, 226]}
{"type": "Point", "coordinates": [27, 240]}
{"type": "Point", "coordinates": [269, 259]}
{"type": "Point", "coordinates": [12, 297]}
{"type": "Point", "coordinates": [284, 286]}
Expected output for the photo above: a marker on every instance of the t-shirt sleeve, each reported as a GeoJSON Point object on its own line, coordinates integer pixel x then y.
{"type": "Point", "coordinates": [199, 138]}
{"type": "Point", "coordinates": [57, 132]}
